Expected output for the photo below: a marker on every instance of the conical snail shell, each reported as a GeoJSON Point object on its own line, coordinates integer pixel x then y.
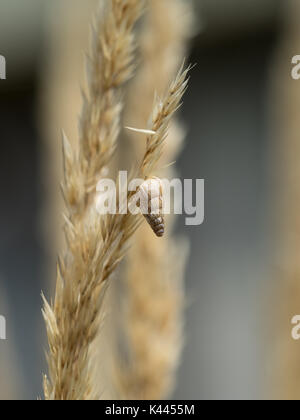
{"type": "Point", "coordinates": [152, 204]}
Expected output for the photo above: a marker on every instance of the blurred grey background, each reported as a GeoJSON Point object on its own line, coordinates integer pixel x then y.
{"type": "Point", "coordinates": [226, 114]}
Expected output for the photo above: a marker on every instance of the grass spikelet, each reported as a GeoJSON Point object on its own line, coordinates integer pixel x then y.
{"type": "Point", "coordinates": [96, 244]}
{"type": "Point", "coordinates": [109, 68]}
{"type": "Point", "coordinates": [93, 246]}
{"type": "Point", "coordinates": [152, 322]}
{"type": "Point", "coordinates": [162, 115]}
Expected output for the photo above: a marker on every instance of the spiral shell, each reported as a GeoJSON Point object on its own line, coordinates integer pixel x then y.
{"type": "Point", "coordinates": [151, 204]}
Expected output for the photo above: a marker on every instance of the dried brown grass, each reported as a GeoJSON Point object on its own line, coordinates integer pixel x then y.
{"type": "Point", "coordinates": [95, 245]}
{"type": "Point", "coordinates": [153, 281]}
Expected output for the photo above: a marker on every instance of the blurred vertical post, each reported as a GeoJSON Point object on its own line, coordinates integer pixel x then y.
{"type": "Point", "coordinates": [285, 360]}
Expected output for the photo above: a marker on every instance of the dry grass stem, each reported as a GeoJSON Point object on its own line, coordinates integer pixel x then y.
{"type": "Point", "coordinates": [96, 244]}
{"type": "Point", "coordinates": [153, 311]}
{"type": "Point", "coordinates": [161, 118]}
{"type": "Point", "coordinates": [109, 67]}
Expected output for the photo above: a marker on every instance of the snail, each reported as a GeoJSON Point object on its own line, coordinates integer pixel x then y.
{"type": "Point", "coordinates": [151, 204]}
